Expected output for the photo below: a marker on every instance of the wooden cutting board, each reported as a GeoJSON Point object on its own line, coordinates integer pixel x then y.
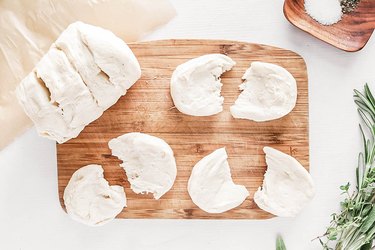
{"type": "Point", "coordinates": [148, 108]}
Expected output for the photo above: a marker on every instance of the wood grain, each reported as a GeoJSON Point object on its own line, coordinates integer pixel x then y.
{"type": "Point", "coordinates": [350, 34]}
{"type": "Point", "coordinates": [148, 108]}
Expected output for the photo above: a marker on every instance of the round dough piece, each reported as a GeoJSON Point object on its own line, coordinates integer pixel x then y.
{"type": "Point", "coordinates": [287, 186]}
{"type": "Point", "coordinates": [268, 93]}
{"type": "Point", "coordinates": [211, 186]}
{"type": "Point", "coordinates": [90, 200]}
{"type": "Point", "coordinates": [148, 162]}
{"type": "Point", "coordinates": [196, 86]}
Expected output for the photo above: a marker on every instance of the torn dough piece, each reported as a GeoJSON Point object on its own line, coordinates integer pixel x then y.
{"type": "Point", "coordinates": [211, 186]}
{"type": "Point", "coordinates": [107, 66]}
{"type": "Point", "coordinates": [196, 86]}
{"type": "Point", "coordinates": [84, 73]}
{"type": "Point", "coordinates": [287, 186]}
{"type": "Point", "coordinates": [28, 28]}
{"type": "Point", "coordinates": [148, 162]}
{"type": "Point", "coordinates": [90, 200]}
{"type": "Point", "coordinates": [269, 92]}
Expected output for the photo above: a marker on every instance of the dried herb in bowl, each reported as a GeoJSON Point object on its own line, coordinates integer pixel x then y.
{"type": "Point", "coordinates": [349, 5]}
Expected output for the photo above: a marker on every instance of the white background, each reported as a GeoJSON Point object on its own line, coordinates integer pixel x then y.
{"type": "Point", "coordinates": [30, 214]}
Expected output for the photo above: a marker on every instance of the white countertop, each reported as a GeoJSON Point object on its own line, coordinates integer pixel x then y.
{"type": "Point", "coordinates": [31, 216]}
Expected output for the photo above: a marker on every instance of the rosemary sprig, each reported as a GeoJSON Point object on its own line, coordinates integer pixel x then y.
{"type": "Point", "coordinates": [354, 227]}
{"type": "Point", "coordinates": [280, 243]}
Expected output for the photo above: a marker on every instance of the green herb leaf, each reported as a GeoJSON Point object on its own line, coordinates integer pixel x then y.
{"type": "Point", "coordinates": [280, 243]}
{"type": "Point", "coordinates": [369, 222]}
{"type": "Point", "coordinates": [345, 187]}
{"type": "Point", "coordinates": [366, 247]}
{"type": "Point", "coordinates": [369, 95]}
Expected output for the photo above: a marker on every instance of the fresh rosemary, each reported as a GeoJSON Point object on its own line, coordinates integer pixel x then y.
{"type": "Point", "coordinates": [354, 227]}
{"type": "Point", "coordinates": [280, 243]}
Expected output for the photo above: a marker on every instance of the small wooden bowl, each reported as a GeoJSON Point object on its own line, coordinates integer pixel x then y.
{"type": "Point", "coordinates": [350, 34]}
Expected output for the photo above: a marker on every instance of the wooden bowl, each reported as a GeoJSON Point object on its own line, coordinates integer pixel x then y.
{"type": "Point", "coordinates": [350, 34]}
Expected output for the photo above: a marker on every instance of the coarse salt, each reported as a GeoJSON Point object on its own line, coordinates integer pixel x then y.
{"type": "Point", "coordinates": [326, 12]}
